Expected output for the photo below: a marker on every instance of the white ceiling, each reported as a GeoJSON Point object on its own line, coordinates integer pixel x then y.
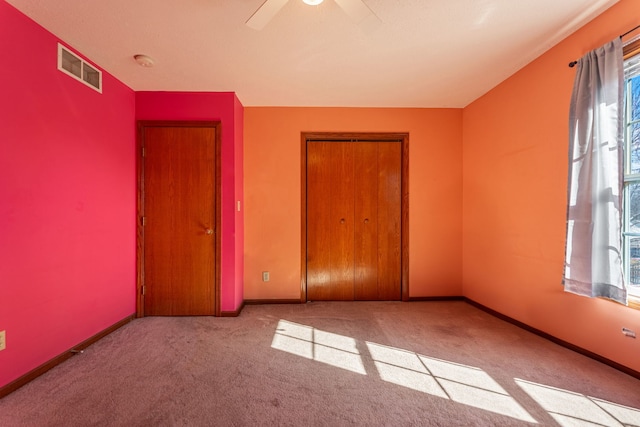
{"type": "Point", "coordinates": [423, 53]}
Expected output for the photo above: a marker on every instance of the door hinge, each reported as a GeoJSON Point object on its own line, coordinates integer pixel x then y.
{"type": "Point", "coordinates": [144, 152]}
{"type": "Point", "coordinates": [143, 289]}
{"type": "Point", "coordinates": [143, 220]}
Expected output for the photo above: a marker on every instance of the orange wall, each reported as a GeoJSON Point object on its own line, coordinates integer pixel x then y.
{"type": "Point", "coordinates": [273, 202]}
{"type": "Point", "coordinates": [514, 199]}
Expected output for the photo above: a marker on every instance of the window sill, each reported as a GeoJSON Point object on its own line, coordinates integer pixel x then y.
{"type": "Point", "coordinates": [634, 302]}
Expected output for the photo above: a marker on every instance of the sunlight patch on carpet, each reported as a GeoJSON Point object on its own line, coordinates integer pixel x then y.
{"type": "Point", "coordinates": [403, 368]}
{"type": "Point", "coordinates": [570, 409]}
{"type": "Point", "coordinates": [461, 383]}
{"type": "Point", "coordinates": [325, 347]}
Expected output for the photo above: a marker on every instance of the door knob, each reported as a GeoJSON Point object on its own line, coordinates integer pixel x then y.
{"type": "Point", "coordinates": [341, 220]}
{"type": "Point", "coordinates": [366, 220]}
{"type": "Point", "coordinates": [209, 231]}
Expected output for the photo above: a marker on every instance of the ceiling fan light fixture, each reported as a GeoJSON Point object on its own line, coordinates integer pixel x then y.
{"type": "Point", "coordinates": [313, 2]}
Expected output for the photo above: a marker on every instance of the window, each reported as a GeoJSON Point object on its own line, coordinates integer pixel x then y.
{"type": "Point", "coordinates": [631, 222]}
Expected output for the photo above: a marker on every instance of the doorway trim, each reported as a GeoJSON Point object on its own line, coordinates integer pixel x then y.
{"type": "Point", "coordinates": [141, 125]}
{"type": "Point", "coordinates": [403, 138]}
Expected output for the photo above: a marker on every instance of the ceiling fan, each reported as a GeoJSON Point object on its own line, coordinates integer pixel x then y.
{"type": "Point", "coordinates": [357, 10]}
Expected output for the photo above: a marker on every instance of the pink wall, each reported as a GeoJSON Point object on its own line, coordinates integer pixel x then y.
{"type": "Point", "coordinates": [67, 201]}
{"type": "Point", "coordinates": [514, 191]}
{"type": "Point", "coordinates": [226, 108]}
{"type": "Point", "coordinates": [272, 193]}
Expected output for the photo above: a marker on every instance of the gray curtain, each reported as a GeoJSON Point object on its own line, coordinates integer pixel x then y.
{"type": "Point", "coordinates": [593, 256]}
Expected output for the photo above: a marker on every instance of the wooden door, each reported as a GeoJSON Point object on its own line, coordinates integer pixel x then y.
{"type": "Point", "coordinates": [377, 237]}
{"type": "Point", "coordinates": [330, 202]}
{"type": "Point", "coordinates": [353, 220]}
{"type": "Point", "coordinates": [179, 236]}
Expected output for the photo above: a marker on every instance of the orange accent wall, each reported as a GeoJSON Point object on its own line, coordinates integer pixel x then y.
{"type": "Point", "coordinates": [272, 167]}
{"type": "Point", "coordinates": [514, 199]}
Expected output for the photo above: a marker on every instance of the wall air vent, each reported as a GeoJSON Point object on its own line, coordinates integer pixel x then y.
{"type": "Point", "coordinates": [71, 64]}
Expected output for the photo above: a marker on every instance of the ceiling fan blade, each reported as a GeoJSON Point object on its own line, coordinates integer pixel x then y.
{"type": "Point", "coordinates": [265, 13]}
{"type": "Point", "coordinates": [357, 10]}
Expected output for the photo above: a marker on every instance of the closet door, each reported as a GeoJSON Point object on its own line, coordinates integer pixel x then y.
{"type": "Point", "coordinates": [377, 234]}
{"type": "Point", "coordinates": [389, 233]}
{"type": "Point", "coordinates": [366, 222]}
{"type": "Point", "coordinates": [353, 220]}
{"type": "Point", "coordinates": [330, 227]}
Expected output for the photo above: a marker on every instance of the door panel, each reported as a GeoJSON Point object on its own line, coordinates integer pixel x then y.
{"type": "Point", "coordinates": [389, 221]}
{"type": "Point", "coordinates": [318, 240]}
{"type": "Point", "coordinates": [330, 203]}
{"type": "Point", "coordinates": [179, 209]}
{"type": "Point", "coordinates": [366, 221]}
{"type": "Point", "coordinates": [342, 221]}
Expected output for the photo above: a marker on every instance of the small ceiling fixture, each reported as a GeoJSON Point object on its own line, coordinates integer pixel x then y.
{"type": "Point", "coordinates": [357, 10]}
{"type": "Point", "coordinates": [144, 60]}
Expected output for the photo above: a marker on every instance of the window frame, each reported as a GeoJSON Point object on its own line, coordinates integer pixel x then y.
{"type": "Point", "coordinates": [630, 50]}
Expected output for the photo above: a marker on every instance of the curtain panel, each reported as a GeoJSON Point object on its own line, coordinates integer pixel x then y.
{"type": "Point", "coordinates": [593, 255]}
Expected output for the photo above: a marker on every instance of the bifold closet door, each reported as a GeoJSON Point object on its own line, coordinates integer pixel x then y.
{"type": "Point", "coordinates": [353, 220]}
{"type": "Point", "coordinates": [377, 236]}
{"type": "Point", "coordinates": [330, 224]}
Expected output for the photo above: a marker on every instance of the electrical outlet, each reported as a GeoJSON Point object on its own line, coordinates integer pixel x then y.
{"type": "Point", "coordinates": [3, 340]}
{"type": "Point", "coordinates": [265, 276]}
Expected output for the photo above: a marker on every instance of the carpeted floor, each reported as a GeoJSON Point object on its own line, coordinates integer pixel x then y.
{"type": "Point", "coordinates": [327, 364]}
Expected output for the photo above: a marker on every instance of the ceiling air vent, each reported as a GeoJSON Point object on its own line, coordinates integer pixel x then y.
{"type": "Point", "coordinates": [71, 64]}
